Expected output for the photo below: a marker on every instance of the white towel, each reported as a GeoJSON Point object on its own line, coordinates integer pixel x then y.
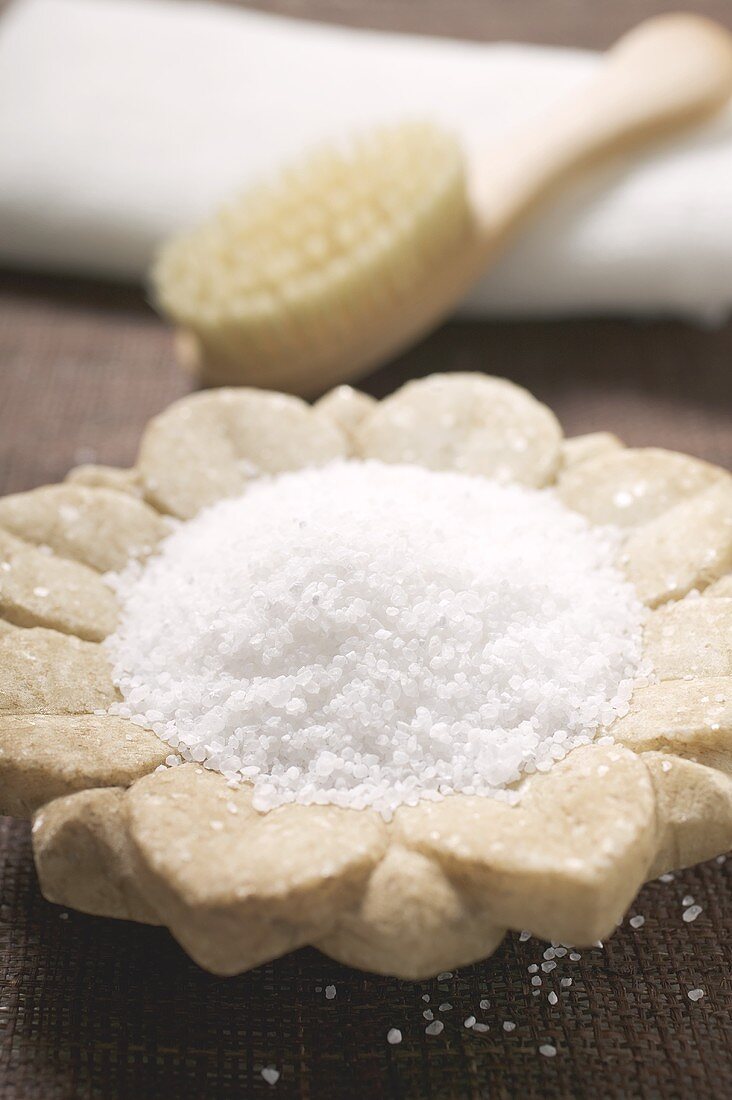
{"type": "Point", "coordinates": [122, 121]}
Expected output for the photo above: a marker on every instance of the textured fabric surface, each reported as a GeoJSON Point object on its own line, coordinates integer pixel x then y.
{"type": "Point", "coordinates": [94, 1008]}
{"type": "Point", "coordinates": [97, 1008]}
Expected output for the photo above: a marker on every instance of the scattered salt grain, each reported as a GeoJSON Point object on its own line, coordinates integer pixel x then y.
{"type": "Point", "coordinates": [688, 900]}
{"type": "Point", "coordinates": [547, 1050]}
{"type": "Point", "coordinates": [637, 922]}
{"type": "Point", "coordinates": [668, 877]}
{"type": "Point", "coordinates": [565, 983]}
{"type": "Point", "coordinates": [469, 1022]}
{"type": "Point", "coordinates": [536, 980]}
{"type": "Point", "coordinates": [443, 977]}
{"type": "Point", "coordinates": [434, 1028]}
{"type": "Point", "coordinates": [509, 1025]}
{"type": "Point", "coordinates": [428, 1014]}
{"type": "Point", "coordinates": [691, 913]}
{"type": "Point", "coordinates": [574, 956]}
{"type": "Point", "coordinates": [482, 1028]}
{"type": "Point", "coordinates": [524, 936]}
{"type": "Point", "coordinates": [393, 1036]}
{"type": "Point", "coordinates": [271, 1075]}
{"type": "Point", "coordinates": [446, 1007]}
{"type": "Point", "coordinates": [547, 967]}
{"type": "Point", "coordinates": [276, 637]}
{"type": "Point", "coordinates": [330, 992]}
{"type": "Point", "coordinates": [484, 1004]}
{"type": "Point", "coordinates": [533, 968]}
{"type": "Point", "coordinates": [695, 994]}
{"type": "Point", "coordinates": [426, 997]}
{"type": "Point", "coordinates": [552, 998]}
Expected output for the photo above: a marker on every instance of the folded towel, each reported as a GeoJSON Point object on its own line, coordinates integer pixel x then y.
{"type": "Point", "coordinates": [123, 121]}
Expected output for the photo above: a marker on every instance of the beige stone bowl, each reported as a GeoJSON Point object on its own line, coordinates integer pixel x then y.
{"type": "Point", "coordinates": [116, 834]}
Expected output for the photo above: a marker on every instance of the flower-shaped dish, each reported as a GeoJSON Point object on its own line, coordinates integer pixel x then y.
{"type": "Point", "coordinates": [116, 834]}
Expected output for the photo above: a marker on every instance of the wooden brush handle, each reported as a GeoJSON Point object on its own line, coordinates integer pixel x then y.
{"type": "Point", "coordinates": [668, 72]}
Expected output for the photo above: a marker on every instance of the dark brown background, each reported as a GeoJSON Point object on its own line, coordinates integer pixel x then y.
{"type": "Point", "coordinates": [98, 1008]}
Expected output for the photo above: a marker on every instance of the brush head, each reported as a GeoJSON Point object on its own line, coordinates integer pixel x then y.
{"type": "Point", "coordinates": [310, 279]}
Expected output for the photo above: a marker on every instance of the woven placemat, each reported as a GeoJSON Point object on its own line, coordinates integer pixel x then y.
{"type": "Point", "coordinates": [97, 1008]}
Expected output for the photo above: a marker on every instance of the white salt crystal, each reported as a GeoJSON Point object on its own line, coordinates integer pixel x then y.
{"type": "Point", "coordinates": [484, 1004]}
{"type": "Point", "coordinates": [524, 936]}
{"type": "Point", "coordinates": [330, 992]}
{"type": "Point", "coordinates": [393, 1036]}
{"type": "Point", "coordinates": [565, 983]}
{"type": "Point", "coordinates": [691, 913]}
{"type": "Point", "coordinates": [271, 1075]}
{"type": "Point", "coordinates": [278, 636]}
{"type": "Point", "coordinates": [444, 975]}
{"type": "Point", "coordinates": [688, 900]}
{"type": "Point", "coordinates": [509, 1025]}
{"type": "Point", "coordinates": [434, 1028]}
{"type": "Point", "coordinates": [481, 1027]}
{"type": "Point", "coordinates": [548, 1050]}
{"type": "Point", "coordinates": [552, 998]}
{"type": "Point", "coordinates": [637, 922]}
{"type": "Point", "coordinates": [469, 1022]}
{"type": "Point", "coordinates": [695, 994]}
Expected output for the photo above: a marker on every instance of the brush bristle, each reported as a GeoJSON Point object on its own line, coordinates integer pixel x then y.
{"type": "Point", "coordinates": [337, 239]}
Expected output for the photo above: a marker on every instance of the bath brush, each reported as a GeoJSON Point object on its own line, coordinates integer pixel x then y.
{"type": "Point", "coordinates": [360, 249]}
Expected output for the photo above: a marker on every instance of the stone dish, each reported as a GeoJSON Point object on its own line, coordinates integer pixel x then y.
{"type": "Point", "coordinates": [116, 834]}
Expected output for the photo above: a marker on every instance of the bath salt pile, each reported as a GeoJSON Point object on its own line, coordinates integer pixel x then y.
{"type": "Point", "coordinates": [369, 635]}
